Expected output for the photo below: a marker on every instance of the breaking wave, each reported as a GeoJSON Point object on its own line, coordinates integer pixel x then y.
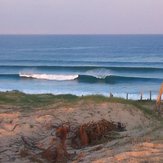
{"type": "Point", "coordinates": [87, 78]}
{"type": "Point", "coordinates": [48, 76]}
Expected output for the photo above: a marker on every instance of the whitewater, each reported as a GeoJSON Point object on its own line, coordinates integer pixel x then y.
{"type": "Point", "coordinates": [48, 76]}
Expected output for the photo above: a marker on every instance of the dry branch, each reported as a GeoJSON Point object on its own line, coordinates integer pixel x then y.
{"type": "Point", "coordinates": [83, 135]}
{"type": "Point", "coordinates": [92, 132]}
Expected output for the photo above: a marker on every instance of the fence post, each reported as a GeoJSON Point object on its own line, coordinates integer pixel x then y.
{"type": "Point", "coordinates": [127, 96]}
{"type": "Point", "coordinates": [111, 95]}
{"type": "Point", "coordinates": [141, 96]}
{"type": "Point", "coordinates": [150, 95]}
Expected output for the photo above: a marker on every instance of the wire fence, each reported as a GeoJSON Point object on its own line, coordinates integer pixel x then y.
{"type": "Point", "coordinates": [136, 96]}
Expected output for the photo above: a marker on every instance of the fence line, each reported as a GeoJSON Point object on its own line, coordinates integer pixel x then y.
{"type": "Point", "coordinates": [141, 97]}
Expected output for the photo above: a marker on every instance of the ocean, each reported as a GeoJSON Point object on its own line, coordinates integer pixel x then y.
{"type": "Point", "coordinates": [82, 64]}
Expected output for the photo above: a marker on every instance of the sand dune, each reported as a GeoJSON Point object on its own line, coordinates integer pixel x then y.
{"type": "Point", "coordinates": [137, 144]}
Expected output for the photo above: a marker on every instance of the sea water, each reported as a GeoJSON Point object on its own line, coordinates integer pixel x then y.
{"type": "Point", "coordinates": [82, 64]}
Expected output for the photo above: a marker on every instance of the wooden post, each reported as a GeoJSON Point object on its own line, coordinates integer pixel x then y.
{"type": "Point", "coordinates": [141, 96]}
{"type": "Point", "coordinates": [150, 94]}
{"type": "Point", "coordinates": [127, 96]}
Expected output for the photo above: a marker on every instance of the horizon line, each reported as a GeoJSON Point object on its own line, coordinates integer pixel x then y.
{"type": "Point", "coordinates": [80, 34]}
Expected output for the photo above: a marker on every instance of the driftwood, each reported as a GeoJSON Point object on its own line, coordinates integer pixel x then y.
{"type": "Point", "coordinates": [92, 132]}
{"type": "Point", "coordinates": [82, 135]}
{"type": "Point", "coordinates": [29, 144]}
{"type": "Point", "coordinates": [58, 152]}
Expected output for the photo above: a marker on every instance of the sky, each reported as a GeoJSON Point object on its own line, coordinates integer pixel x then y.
{"type": "Point", "coordinates": [81, 16]}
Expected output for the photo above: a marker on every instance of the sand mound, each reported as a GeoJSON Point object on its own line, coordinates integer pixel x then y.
{"type": "Point", "coordinates": [142, 152]}
{"type": "Point", "coordinates": [39, 125]}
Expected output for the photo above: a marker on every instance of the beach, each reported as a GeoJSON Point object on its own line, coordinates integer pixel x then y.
{"type": "Point", "coordinates": [81, 81]}
{"type": "Point", "coordinates": [33, 118]}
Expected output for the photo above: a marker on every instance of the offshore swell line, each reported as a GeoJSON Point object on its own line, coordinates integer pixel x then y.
{"type": "Point", "coordinates": [71, 67]}
{"type": "Point", "coordinates": [88, 78]}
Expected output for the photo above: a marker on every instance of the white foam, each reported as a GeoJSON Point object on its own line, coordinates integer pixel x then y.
{"type": "Point", "coordinates": [100, 73]}
{"type": "Point", "coordinates": [48, 76]}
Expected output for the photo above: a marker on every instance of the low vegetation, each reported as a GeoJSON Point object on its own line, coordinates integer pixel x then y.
{"type": "Point", "coordinates": [31, 101]}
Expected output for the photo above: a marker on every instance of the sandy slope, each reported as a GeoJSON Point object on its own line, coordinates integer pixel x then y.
{"type": "Point", "coordinates": [141, 142]}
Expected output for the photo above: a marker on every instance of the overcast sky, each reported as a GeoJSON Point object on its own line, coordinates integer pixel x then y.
{"type": "Point", "coordinates": [81, 16]}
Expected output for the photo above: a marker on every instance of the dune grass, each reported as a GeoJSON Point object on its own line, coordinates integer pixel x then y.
{"type": "Point", "coordinates": [31, 101]}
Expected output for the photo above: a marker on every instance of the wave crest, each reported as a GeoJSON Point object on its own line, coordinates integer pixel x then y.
{"type": "Point", "coordinates": [48, 76]}
{"type": "Point", "coordinates": [99, 73]}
